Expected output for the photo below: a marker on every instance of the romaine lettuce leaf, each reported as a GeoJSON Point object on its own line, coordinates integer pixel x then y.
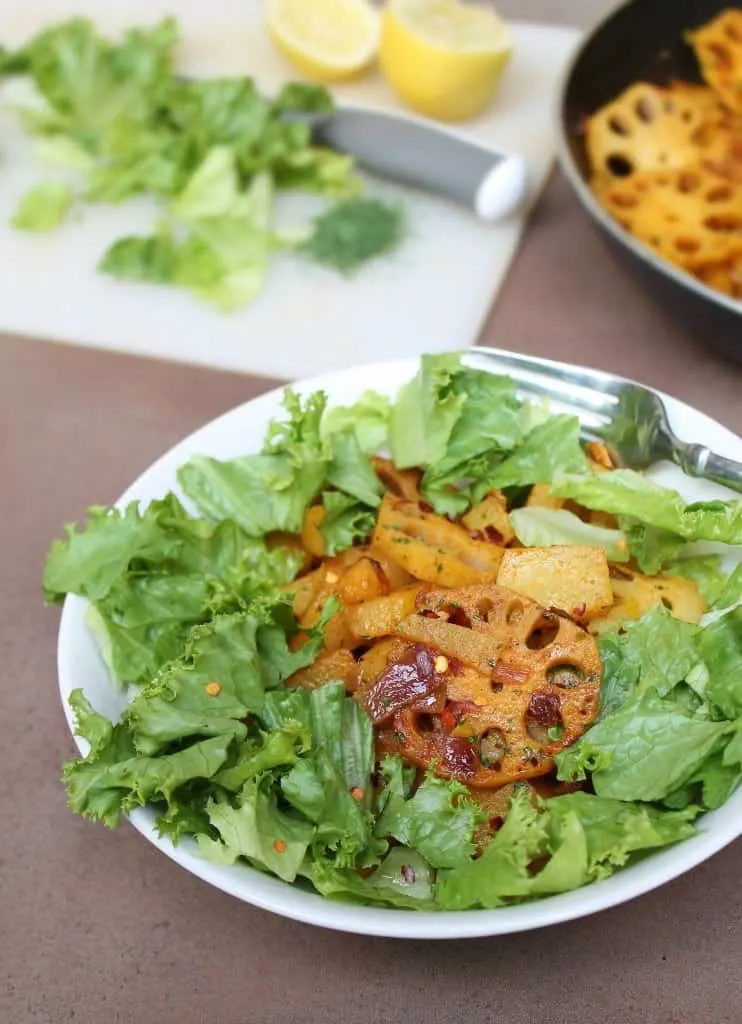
{"type": "Point", "coordinates": [645, 750]}
{"type": "Point", "coordinates": [542, 527]}
{"type": "Point", "coordinates": [656, 520]}
{"type": "Point", "coordinates": [704, 570]}
{"type": "Point", "coordinates": [425, 412]}
{"type": "Point", "coordinates": [332, 785]}
{"type": "Point", "coordinates": [350, 469]}
{"type": "Point", "coordinates": [256, 828]}
{"type": "Point", "coordinates": [345, 521]}
{"type": "Point", "coordinates": [550, 450]}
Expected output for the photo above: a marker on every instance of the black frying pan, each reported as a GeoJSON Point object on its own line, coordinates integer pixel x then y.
{"type": "Point", "coordinates": [643, 40]}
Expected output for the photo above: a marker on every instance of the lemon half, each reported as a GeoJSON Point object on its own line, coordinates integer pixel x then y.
{"type": "Point", "coordinates": [327, 40]}
{"type": "Point", "coordinates": [443, 58]}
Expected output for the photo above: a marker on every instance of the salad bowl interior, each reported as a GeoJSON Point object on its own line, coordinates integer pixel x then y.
{"type": "Point", "coordinates": [81, 665]}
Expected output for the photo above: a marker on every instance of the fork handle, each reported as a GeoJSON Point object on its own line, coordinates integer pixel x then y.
{"type": "Point", "coordinates": [696, 460]}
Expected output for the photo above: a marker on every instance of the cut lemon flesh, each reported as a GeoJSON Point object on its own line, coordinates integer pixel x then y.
{"type": "Point", "coordinates": [327, 40]}
{"type": "Point", "coordinates": [443, 58]}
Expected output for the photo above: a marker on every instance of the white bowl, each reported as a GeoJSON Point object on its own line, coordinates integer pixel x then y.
{"type": "Point", "coordinates": [80, 665]}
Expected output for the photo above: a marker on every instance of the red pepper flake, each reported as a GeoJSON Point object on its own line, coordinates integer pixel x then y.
{"type": "Point", "coordinates": [428, 613]}
{"type": "Point", "coordinates": [357, 793]}
{"type": "Point", "coordinates": [426, 507]}
{"type": "Point", "coordinates": [279, 846]}
{"type": "Point", "coordinates": [579, 610]}
{"type": "Point", "coordinates": [213, 688]}
{"type": "Point", "coordinates": [449, 720]}
{"type": "Point", "coordinates": [408, 873]}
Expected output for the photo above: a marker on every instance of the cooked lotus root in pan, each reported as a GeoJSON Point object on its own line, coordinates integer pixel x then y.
{"type": "Point", "coordinates": [646, 129]}
{"type": "Point", "coordinates": [718, 47]}
{"type": "Point", "coordinates": [666, 161]}
{"type": "Point", "coordinates": [483, 685]}
{"type": "Point", "coordinates": [690, 217]}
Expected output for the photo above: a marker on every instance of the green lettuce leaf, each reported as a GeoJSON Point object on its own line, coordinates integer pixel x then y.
{"type": "Point", "coordinates": [113, 779]}
{"type": "Point", "coordinates": [704, 570]}
{"type": "Point", "coordinates": [281, 749]}
{"type": "Point", "coordinates": [438, 821]}
{"type": "Point", "coordinates": [368, 418]}
{"type": "Point", "coordinates": [350, 469]}
{"type": "Point", "coordinates": [656, 520]}
{"type": "Point", "coordinates": [550, 450]}
{"type": "Point", "coordinates": [720, 646]}
{"type": "Point", "coordinates": [425, 412]}
{"type": "Point", "coordinates": [345, 521]}
{"type": "Point", "coordinates": [403, 880]}
{"type": "Point", "coordinates": [613, 830]}
{"type": "Point", "coordinates": [542, 527]}
{"type": "Point", "coordinates": [44, 207]}
{"type": "Point", "coordinates": [332, 785]}
{"type": "Point", "coordinates": [89, 563]}
{"type": "Point", "coordinates": [645, 750]}
{"type": "Point", "coordinates": [153, 575]}
{"type": "Point", "coordinates": [502, 872]}
{"type": "Point", "coordinates": [244, 654]}
{"type": "Point", "coordinates": [269, 491]}
{"type": "Point", "coordinates": [257, 829]}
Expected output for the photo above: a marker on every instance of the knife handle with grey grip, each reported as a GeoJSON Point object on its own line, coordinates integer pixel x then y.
{"type": "Point", "coordinates": [413, 152]}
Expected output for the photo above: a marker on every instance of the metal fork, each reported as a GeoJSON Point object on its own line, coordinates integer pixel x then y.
{"type": "Point", "coordinates": [630, 418]}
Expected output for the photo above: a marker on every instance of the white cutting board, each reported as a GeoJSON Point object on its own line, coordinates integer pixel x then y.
{"type": "Point", "coordinates": [431, 296]}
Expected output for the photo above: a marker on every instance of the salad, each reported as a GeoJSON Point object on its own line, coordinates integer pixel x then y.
{"type": "Point", "coordinates": [430, 653]}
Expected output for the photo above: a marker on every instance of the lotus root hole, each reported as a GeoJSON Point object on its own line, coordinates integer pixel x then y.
{"type": "Point", "coordinates": [565, 675]}
{"type": "Point", "coordinates": [619, 166]}
{"type": "Point", "coordinates": [514, 613]}
{"type": "Point", "coordinates": [543, 634]}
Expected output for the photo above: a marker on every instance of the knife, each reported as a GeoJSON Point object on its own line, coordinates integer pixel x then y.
{"type": "Point", "coordinates": [414, 152]}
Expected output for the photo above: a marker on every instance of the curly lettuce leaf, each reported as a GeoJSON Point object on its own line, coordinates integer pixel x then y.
{"type": "Point", "coordinates": [89, 563]}
{"type": "Point", "coordinates": [502, 872]}
{"type": "Point", "coordinates": [613, 830]}
{"type": "Point", "coordinates": [269, 491]}
{"type": "Point", "coordinates": [93, 84]}
{"type": "Point", "coordinates": [113, 779]}
{"type": "Point", "coordinates": [403, 880]}
{"type": "Point", "coordinates": [368, 418]}
{"type": "Point", "coordinates": [243, 654]}
{"type": "Point", "coordinates": [438, 821]}
{"type": "Point", "coordinates": [152, 575]}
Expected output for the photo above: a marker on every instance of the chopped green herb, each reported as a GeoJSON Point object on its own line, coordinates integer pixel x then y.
{"type": "Point", "coordinates": [353, 232]}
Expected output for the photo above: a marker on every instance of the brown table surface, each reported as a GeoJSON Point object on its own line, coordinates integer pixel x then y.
{"type": "Point", "coordinates": [97, 926]}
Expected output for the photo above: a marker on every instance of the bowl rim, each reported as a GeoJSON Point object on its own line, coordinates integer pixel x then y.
{"type": "Point", "coordinates": [717, 828]}
{"type": "Point", "coordinates": [586, 197]}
